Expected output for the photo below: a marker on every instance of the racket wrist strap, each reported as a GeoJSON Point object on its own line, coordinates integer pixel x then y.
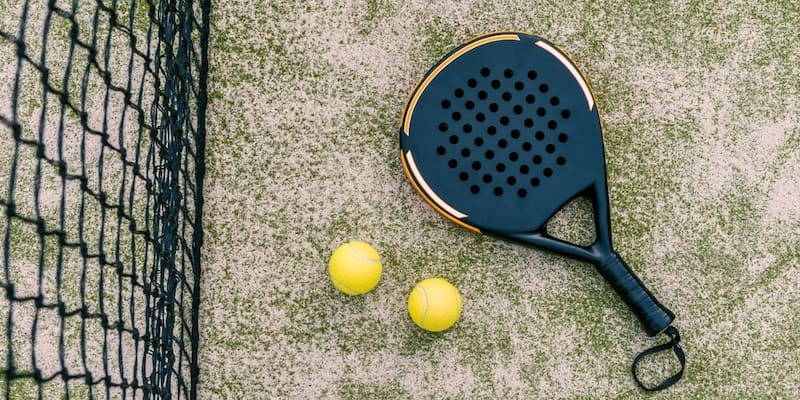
{"type": "Point", "coordinates": [674, 344]}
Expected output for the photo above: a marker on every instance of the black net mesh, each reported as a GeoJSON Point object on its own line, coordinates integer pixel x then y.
{"type": "Point", "coordinates": [102, 127]}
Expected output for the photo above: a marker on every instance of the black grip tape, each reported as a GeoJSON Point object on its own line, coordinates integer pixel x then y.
{"type": "Point", "coordinates": [654, 316]}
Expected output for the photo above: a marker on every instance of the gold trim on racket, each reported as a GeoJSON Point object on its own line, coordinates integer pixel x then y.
{"type": "Point", "coordinates": [420, 88]}
{"type": "Point", "coordinates": [417, 180]}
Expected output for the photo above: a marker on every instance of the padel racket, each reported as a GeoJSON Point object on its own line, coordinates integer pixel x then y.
{"type": "Point", "coordinates": [502, 133]}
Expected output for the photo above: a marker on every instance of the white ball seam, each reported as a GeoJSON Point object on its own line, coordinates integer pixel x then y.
{"type": "Point", "coordinates": [361, 256]}
{"type": "Point", "coordinates": [424, 306]}
{"type": "Point", "coordinates": [345, 286]}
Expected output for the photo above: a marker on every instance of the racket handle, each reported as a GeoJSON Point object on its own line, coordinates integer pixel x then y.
{"type": "Point", "coordinates": [655, 317]}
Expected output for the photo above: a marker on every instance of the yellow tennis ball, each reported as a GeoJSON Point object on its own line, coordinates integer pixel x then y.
{"type": "Point", "coordinates": [355, 268]}
{"type": "Point", "coordinates": [434, 304]}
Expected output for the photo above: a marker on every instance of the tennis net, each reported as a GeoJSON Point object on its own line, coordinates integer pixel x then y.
{"type": "Point", "coordinates": [102, 137]}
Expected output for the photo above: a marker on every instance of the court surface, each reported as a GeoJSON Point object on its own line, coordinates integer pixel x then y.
{"type": "Point", "coordinates": [699, 102]}
{"type": "Point", "coordinates": [700, 106]}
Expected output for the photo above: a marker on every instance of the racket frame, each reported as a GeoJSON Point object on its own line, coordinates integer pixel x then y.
{"type": "Point", "coordinates": [655, 317]}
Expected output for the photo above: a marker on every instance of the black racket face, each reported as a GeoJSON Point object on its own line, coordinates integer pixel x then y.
{"type": "Point", "coordinates": [501, 133]}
